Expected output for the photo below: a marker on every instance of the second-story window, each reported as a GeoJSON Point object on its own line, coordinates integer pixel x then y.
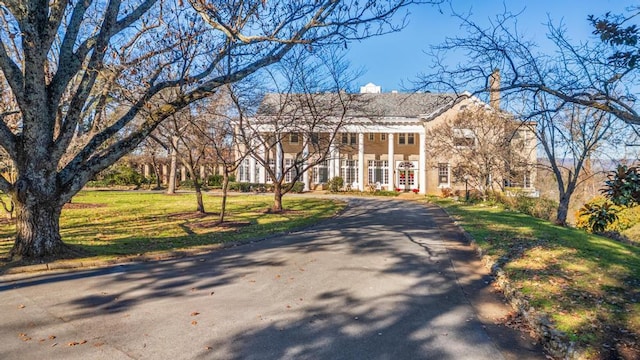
{"type": "Point", "coordinates": [348, 139]}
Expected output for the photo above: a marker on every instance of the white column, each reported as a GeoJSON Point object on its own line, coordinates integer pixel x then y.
{"type": "Point", "coordinates": [147, 170]}
{"type": "Point", "coordinates": [332, 160]}
{"type": "Point", "coordinates": [305, 155]}
{"type": "Point", "coordinates": [262, 173]}
{"type": "Point", "coordinates": [183, 173]}
{"type": "Point", "coordinates": [203, 173]}
{"type": "Point", "coordinates": [279, 161]}
{"type": "Point", "coordinates": [422, 173]}
{"type": "Point", "coordinates": [252, 170]}
{"type": "Point", "coordinates": [392, 164]}
{"type": "Point", "coordinates": [361, 161]}
{"type": "Point", "coordinates": [165, 173]}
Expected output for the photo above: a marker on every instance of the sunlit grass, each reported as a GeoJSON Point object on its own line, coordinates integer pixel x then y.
{"type": "Point", "coordinates": [588, 285]}
{"type": "Point", "coordinates": [108, 224]}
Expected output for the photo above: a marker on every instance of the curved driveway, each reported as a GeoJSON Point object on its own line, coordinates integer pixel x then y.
{"type": "Point", "coordinates": [386, 279]}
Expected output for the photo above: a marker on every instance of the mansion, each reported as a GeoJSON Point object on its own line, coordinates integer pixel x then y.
{"type": "Point", "coordinates": [379, 142]}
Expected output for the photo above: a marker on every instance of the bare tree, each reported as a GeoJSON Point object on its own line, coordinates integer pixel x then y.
{"type": "Point", "coordinates": [572, 140]}
{"type": "Point", "coordinates": [183, 134]}
{"type": "Point", "coordinates": [84, 73]}
{"type": "Point", "coordinates": [488, 146]}
{"type": "Point", "coordinates": [306, 113]}
{"type": "Point", "coordinates": [554, 90]}
{"type": "Point", "coordinates": [225, 146]}
{"type": "Point", "coordinates": [601, 73]}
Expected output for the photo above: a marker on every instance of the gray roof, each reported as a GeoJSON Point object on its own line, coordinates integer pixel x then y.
{"type": "Point", "coordinates": [406, 105]}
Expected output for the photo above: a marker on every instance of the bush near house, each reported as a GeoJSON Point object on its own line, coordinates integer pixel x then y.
{"type": "Point", "coordinates": [298, 187]}
{"type": "Point", "coordinates": [215, 181]}
{"type": "Point", "coordinates": [335, 184]}
{"type": "Point", "coordinates": [541, 208]}
{"type": "Point", "coordinates": [242, 186]}
{"type": "Point", "coordinates": [119, 175]}
{"type": "Point", "coordinates": [626, 223]}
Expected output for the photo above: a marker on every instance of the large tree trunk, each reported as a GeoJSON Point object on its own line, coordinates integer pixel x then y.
{"type": "Point", "coordinates": [225, 189]}
{"type": "Point", "coordinates": [563, 209]}
{"type": "Point", "coordinates": [37, 229]}
{"type": "Point", "coordinates": [277, 198]}
{"type": "Point", "coordinates": [198, 188]}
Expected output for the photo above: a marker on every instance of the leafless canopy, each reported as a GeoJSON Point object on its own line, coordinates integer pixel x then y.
{"type": "Point", "coordinates": [91, 69]}
{"type": "Point", "coordinates": [574, 73]}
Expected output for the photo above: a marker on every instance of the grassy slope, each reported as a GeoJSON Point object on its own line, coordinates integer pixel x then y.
{"type": "Point", "coordinates": [589, 285]}
{"type": "Point", "coordinates": [111, 223]}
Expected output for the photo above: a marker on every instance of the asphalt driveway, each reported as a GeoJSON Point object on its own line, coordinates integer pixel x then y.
{"type": "Point", "coordinates": [385, 280]}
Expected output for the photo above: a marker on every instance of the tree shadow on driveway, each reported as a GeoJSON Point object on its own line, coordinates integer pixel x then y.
{"type": "Point", "coordinates": [377, 282]}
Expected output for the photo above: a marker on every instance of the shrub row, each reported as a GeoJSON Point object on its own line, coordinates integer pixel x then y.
{"type": "Point", "coordinates": [541, 207]}
{"type": "Point", "coordinates": [298, 187]}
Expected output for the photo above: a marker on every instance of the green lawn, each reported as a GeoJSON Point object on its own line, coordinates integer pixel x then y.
{"type": "Point", "coordinates": [111, 224]}
{"type": "Point", "coordinates": [588, 285]}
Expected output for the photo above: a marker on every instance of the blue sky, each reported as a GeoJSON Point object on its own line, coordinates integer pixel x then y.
{"type": "Point", "coordinates": [392, 59]}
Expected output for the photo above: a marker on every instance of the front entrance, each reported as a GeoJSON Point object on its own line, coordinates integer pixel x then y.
{"type": "Point", "coordinates": [406, 175]}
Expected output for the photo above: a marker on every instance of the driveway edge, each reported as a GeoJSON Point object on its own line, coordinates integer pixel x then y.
{"type": "Point", "coordinates": [556, 342]}
{"type": "Point", "coordinates": [88, 263]}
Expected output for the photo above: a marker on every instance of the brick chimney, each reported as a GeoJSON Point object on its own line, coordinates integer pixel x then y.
{"type": "Point", "coordinates": [494, 89]}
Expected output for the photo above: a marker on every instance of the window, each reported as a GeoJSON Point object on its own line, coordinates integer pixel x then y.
{"type": "Point", "coordinates": [527, 179]}
{"type": "Point", "coordinates": [321, 172]}
{"type": "Point", "coordinates": [348, 139]}
{"type": "Point", "coordinates": [294, 138]}
{"type": "Point", "coordinates": [243, 171]}
{"type": "Point", "coordinates": [379, 172]}
{"type": "Point", "coordinates": [371, 136]}
{"type": "Point", "coordinates": [292, 171]}
{"type": "Point", "coordinates": [443, 174]}
{"type": "Point", "coordinates": [349, 171]}
{"type": "Point", "coordinates": [383, 137]}
{"type": "Point", "coordinates": [315, 138]}
{"type": "Point", "coordinates": [272, 166]}
{"type": "Point", "coordinates": [406, 139]}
